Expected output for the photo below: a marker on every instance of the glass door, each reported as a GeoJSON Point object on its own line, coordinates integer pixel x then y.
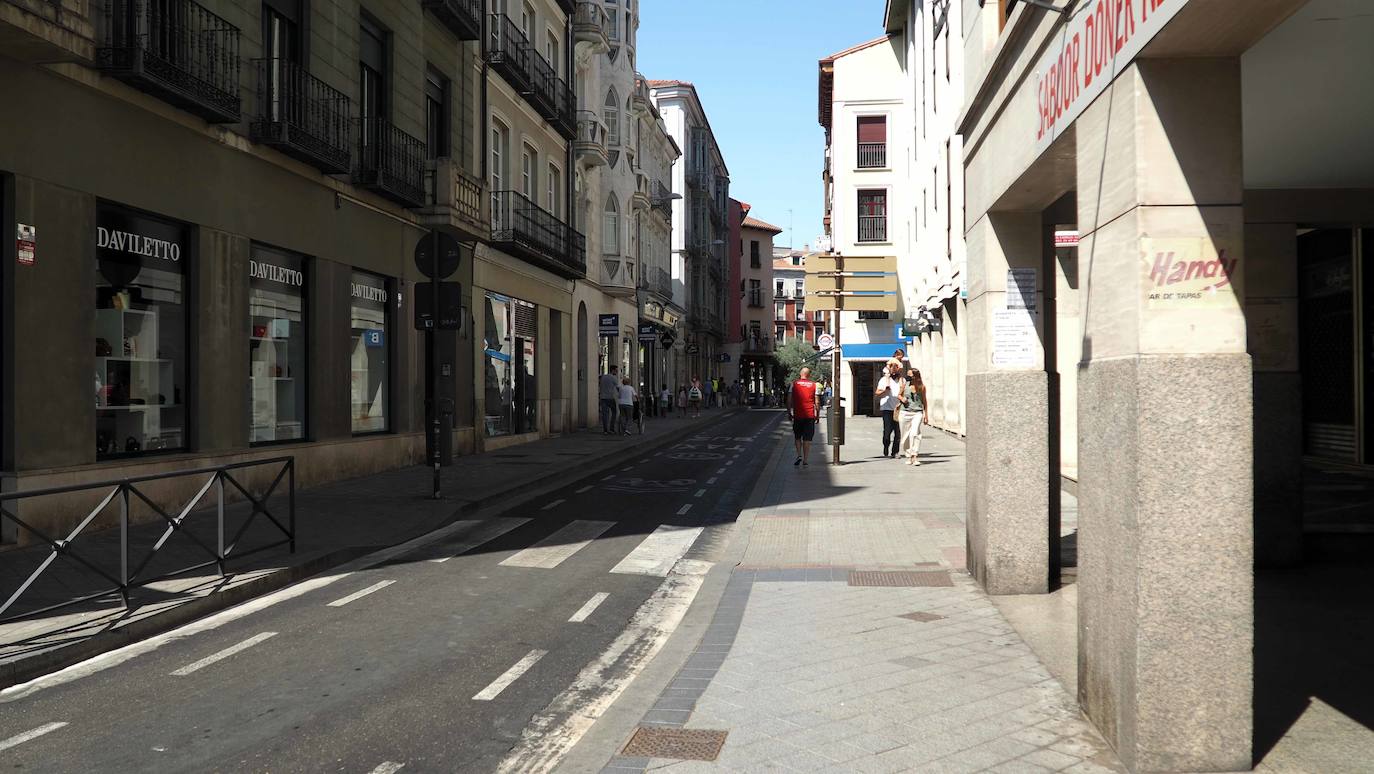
{"type": "Point", "coordinates": [1327, 342]}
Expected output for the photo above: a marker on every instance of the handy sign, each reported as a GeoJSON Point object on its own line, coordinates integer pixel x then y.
{"type": "Point", "coordinates": [1092, 49]}
{"type": "Point", "coordinates": [27, 244]}
{"type": "Point", "coordinates": [1189, 273]}
{"type": "Point", "coordinates": [608, 324]}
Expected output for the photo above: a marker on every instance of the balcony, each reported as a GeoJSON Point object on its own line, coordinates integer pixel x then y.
{"type": "Point", "coordinates": [552, 97]}
{"type": "Point", "coordinates": [661, 199]}
{"type": "Point", "coordinates": [41, 31]}
{"type": "Point", "coordinates": [525, 230]}
{"type": "Point", "coordinates": [698, 178]}
{"type": "Point", "coordinates": [658, 281]}
{"type": "Point", "coordinates": [872, 228]}
{"type": "Point", "coordinates": [390, 162]}
{"type": "Point", "coordinates": [455, 201]}
{"type": "Point", "coordinates": [462, 17]}
{"type": "Point", "coordinates": [642, 199]}
{"type": "Point", "coordinates": [590, 25]}
{"type": "Point", "coordinates": [302, 116]}
{"type": "Point", "coordinates": [616, 279]}
{"type": "Point", "coordinates": [758, 345]}
{"type": "Point", "coordinates": [872, 155]}
{"type": "Point", "coordinates": [589, 145]}
{"type": "Point", "coordinates": [642, 102]}
{"type": "Point", "coordinates": [177, 51]}
{"type": "Point", "coordinates": [510, 54]}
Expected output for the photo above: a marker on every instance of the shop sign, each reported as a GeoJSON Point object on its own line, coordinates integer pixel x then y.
{"type": "Point", "coordinates": [1092, 49]}
{"type": "Point", "coordinates": [26, 242]}
{"type": "Point", "coordinates": [694, 349]}
{"type": "Point", "coordinates": [723, 357]}
{"type": "Point", "coordinates": [608, 324]}
{"type": "Point", "coordinates": [136, 244]}
{"type": "Point", "coordinates": [648, 332]}
{"type": "Point", "coordinates": [368, 292]}
{"type": "Point", "coordinates": [374, 339]}
{"type": "Point", "coordinates": [273, 273]}
{"type": "Point", "coordinates": [1189, 273]}
{"type": "Point", "coordinates": [652, 310]}
{"type": "Point", "coordinates": [125, 237]}
{"type": "Point", "coordinates": [1066, 239]}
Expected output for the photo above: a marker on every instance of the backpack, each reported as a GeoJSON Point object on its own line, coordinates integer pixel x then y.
{"type": "Point", "coordinates": [694, 393]}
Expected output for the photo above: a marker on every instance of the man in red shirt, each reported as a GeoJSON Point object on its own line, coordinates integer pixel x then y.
{"type": "Point", "coordinates": [803, 407]}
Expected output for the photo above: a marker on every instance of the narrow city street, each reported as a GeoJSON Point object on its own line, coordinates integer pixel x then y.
{"type": "Point", "coordinates": [435, 659]}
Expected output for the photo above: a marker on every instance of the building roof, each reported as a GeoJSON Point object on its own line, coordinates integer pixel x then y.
{"type": "Point", "coordinates": [676, 84]}
{"type": "Point", "coordinates": [826, 82]}
{"type": "Point", "coordinates": [856, 49]}
{"type": "Point", "coordinates": [760, 225]}
{"type": "Point", "coordinates": [657, 84]}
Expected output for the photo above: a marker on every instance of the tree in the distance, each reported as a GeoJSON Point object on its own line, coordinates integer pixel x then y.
{"type": "Point", "coordinates": [795, 353]}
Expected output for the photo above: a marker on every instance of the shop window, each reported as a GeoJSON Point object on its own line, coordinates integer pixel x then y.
{"type": "Point", "coordinates": [370, 347]}
{"type": "Point", "coordinates": [276, 346]}
{"type": "Point", "coordinates": [509, 381]}
{"type": "Point", "coordinates": [140, 333]}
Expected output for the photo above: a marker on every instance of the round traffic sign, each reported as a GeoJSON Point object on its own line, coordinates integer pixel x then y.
{"type": "Point", "coordinates": [450, 254]}
{"type": "Point", "coordinates": [825, 341]}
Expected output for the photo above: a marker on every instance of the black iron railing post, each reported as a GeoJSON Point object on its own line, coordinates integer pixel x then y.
{"type": "Point", "coordinates": [219, 517]}
{"type": "Point", "coordinates": [124, 543]}
{"type": "Point", "coordinates": [291, 500]}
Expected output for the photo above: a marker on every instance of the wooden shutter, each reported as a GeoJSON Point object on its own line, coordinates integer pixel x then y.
{"type": "Point", "coordinates": [873, 129]}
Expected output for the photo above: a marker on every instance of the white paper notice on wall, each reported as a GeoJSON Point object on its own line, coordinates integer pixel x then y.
{"type": "Point", "coordinates": [1013, 339]}
{"type": "Point", "coordinates": [1021, 289]}
{"type": "Point", "coordinates": [26, 243]}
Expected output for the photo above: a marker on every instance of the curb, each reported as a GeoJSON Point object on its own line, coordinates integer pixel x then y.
{"type": "Point", "coordinates": [30, 667]}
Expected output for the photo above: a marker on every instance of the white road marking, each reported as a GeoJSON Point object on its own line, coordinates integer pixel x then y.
{"type": "Point", "coordinates": [485, 533]}
{"type": "Point", "coordinates": [554, 549]}
{"type": "Point", "coordinates": [646, 459]}
{"type": "Point", "coordinates": [711, 480]}
{"type": "Point", "coordinates": [389, 767]}
{"type": "Point", "coordinates": [100, 663]}
{"type": "Point", "coordinates": [586, 488]}
{"type": "Point", "coordinates": [552, 505]}
{"type": "Point", "coordinates": [722, 470]}
{"type": "Point", "coordinates": [509, 676]}
{"type": "Point", "coordinates": [684, 509]}
{"type": "Point", "coordinates": [627, 470]}
{"type": "Point", "coordinates": [554, 731]}
{"type": "Point", "coordinates": [223, 654]}
{"type": "Point", "coordinates": [360, 594]}
{"type": "Point", "coordinates": [608, 478]}
{"type": "Point", "coordinates": [659, 552]}
{"type": "Point", "coordinates": [589, 608]}
{"type": "Point", "coordinates": [699, 493]}
{"type": "Point", "coordinates": [27, 736]}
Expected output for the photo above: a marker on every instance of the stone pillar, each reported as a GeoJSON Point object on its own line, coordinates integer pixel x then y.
{"type": "Point", "coordinates": [953, 384]}
{"type": "Point", "coordinates": [934, 376]}
{"type": "Point", "coordinates": [1008, 421]}
{"type": "Point", "coordinates": [1166, 622]}
{"type": "Point", "coordinates": [1271, 320]}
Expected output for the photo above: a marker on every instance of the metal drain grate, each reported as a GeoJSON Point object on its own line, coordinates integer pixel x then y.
{"type": "Point", "coordinates": [920, 617]}
{"type": "Point", "coordinates": [898, 578]}
{"type": "Point", "coordinates": [685, 744]}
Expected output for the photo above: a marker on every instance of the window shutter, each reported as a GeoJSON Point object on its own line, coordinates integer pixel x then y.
{"type": "Point", "coordinates": [873, 129]}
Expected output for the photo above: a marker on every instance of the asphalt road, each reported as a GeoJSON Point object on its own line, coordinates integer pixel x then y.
{"type": "Point", "coordinates": [443, 658]}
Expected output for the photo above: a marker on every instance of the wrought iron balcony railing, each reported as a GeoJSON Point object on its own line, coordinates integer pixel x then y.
{"type": "Point", "coordinates": [758, 345]}
{"type": "Point", "coordinates": [872, 228]}
{"type": "Point", "coordinates": [176, 50]}
{"type": "Point", "coordinates": [872, 155]}
{"type": "Point", "coordinates": [662, 199]}
{"type": "Point", "coordinates": [658, 280]}
{"type": "Point", "coordinates": [462, 17]}
{"type": "Point", "coordinates": [524, 68]}
{"type": "Point", "coordinates": [526, 230]}
{"type": "Point", "coordinates": [302, 116]}
{"type": "Point", "coordinates": [510, 53]}
{"type": "Point", "coordinates": [390, 162]}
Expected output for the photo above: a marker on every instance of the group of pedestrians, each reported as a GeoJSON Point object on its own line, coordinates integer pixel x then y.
{"type": "Point", "coordinates": [618, 401]}
{"type": "Point", "coordinates": [621, 408]}
{"type": "Point", "coordinates": [902, 402]}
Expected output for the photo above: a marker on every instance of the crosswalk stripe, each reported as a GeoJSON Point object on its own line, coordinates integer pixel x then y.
{"type": "Point", "coordinates": [509, 676]}
{"type": "Point", "coordinates": [360, 594]}
{"type": "Point", "coordinates": [29, 736]}
{"type": "Point", "coordinates": [700, 492]}
{"type": "Point", "coordinates": [552, 505]}
{"type": "Point", "coordinates": [658, 552]}
{"type": "Point", "coordinates": [196, 666]}
{"type": "Point", "coordinates": [589, 608]}
{"type": "Point", "coordinates": [483, 534]}
{"type": "Point", "coordinates": [586, 488]}
{"type": "Point", "coordinates": [388, 767]}
{"type": "Point", "coordinates": [554, 549]}
{"type": "Point", "coordinates": [684, 509]}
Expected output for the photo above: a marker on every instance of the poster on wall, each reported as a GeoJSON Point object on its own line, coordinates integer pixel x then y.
{"type": "Point", "coordinates": [1021, 289]}
{"type": "Point", "coordinates": [1014, 344]}
{"type": "Point", "coordinates": [26, 242]}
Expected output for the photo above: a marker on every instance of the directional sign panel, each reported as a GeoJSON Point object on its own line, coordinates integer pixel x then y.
{"type": "Point", "coordinates": [851, 303]}
{"type": "Point", "coordinates": [822, 285]}
{"type": "Point", "coordinates": [818, 264]}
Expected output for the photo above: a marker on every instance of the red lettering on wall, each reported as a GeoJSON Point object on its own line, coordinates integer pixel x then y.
{"type": "Point", "coordinates": [1073, 69]}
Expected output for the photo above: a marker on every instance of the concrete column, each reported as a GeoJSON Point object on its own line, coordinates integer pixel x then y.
{"type": "Point", "coordinates": [1008, 420]}
{"type": "Point", "coordinates": [219, 349]}
{"type": "Point", "coordinates": [1166, 620]}
{"type": "Point", "coordinates": [1271, 320]}
{"type": "Point", "coordinates": [1069, 341]}
{"type": "Point", "coordinates": [953, 383]}
{"type": "Point", "coordinates": [934, 376]}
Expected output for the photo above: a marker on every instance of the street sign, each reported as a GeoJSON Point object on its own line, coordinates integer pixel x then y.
{"type": "Point", "coordinates": [723, 357]}
{"type": "Point", "coordinates": [851, 283]}
{"type": "Point", "coordinates": [608, 324]}
{"type": "Point", "coordinates": [825, 341]}
{"type": "Point", "coordinates": [648, 332]}
{"type": "Point", "coordinates": [450, 255]}
{"type": "Point", "coordinates": [824, 264]}
{"type": "Point", "coordinates": [450, 306]}
{"type": "Point", "coordinates": [666, 340]}
{"type": "Point", "coordinates": [694, 349]}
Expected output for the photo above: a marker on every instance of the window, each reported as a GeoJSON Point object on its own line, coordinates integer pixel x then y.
{"type": "Point", "coordinates": [509, 345]}
{"type": "Point", "coordinates": [436, 114]}
{"type": "Point", "coordinates": [872, 152]}
{"type": "Point", "coordinates": [551, 49]}
{"type": "Point", "coordinates": [610, 227]}
{"type": "Point", "coordinates": [778, 290]}
{"type": "Point", "coordinates": [872, 216]}
{"type": "Point", "coordinates": [554, 200]}
{"type": "Point", "coordinates": [372, 105]}
{"type": "Point", "coordinates": [369, 346]}
{"type": "Point", "coordinates": [780, 333]}
{"type": "Point", "coordinates": [756, 293]}
{"type": "Point", "coordinates": [528, 176]}
{"type": "Point", "coordinates": [276, 346]}
{"type": "Point", "coordinates": [612, 118]}
{"type": "Point", "coordinates": [799, 287]}
{"type": "Point", "coordinates": [819, 317]}
{"type": "Point", "coordinates": [500, 141]}
{"type": "Point", "coordinates": [796, 259]}
{"type": "Point", "coordinates": [140, 333]}
{"type": "Point", "coordinates": [754, 259]}
{"type": "Point", "coordinates": [800, 310]}
{"type": "Point", "coordinates": [779, 310]}
{"type": "Point", "coordinates": [613, 29]}
{"type": "Point", "coordinates": [281, 35]}
{"type": "Point", "coordinates": [527, 20]}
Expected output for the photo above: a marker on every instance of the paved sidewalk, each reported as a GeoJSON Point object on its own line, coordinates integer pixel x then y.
{"type": "Point", "coordinates": [806, 672]}
{"type": "Point", "coordinates": [334, 523]}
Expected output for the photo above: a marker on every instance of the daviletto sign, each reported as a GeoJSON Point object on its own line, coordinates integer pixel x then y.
{"type": "Point", "coordinates": [1101, 39]}
{"type": "Point", "coordinates": [136, 244]}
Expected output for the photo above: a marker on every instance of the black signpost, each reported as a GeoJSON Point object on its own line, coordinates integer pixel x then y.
{"type": "Point", "coordinates": [437, 257]}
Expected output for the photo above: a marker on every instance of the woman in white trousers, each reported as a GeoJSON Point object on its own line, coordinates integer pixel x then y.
{"type": "Point", "coordinates": [913, 415]}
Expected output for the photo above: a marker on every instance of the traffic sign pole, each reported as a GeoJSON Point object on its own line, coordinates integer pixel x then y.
{"type": "Point", "coordinates": [432, 343]}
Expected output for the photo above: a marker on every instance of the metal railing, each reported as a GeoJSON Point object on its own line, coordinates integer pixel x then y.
{"type": "Point", "coordinates": [390, 161]}
{"type": "Point", "coordinates": [176, 49]}
{"type": "Point", "coordinates": [872, 228]}
{"type": "Point", "coordinates": [758, 344]}
{"type": "Point", "coordinates": [872, 155]}
{"type": "Point", "coordinates": [462, 17]}
{"type": "Point", "coordinates": [661, 199]}
{"type": "Point", "coordinates": [510, 53]}
{"type": "Point", "coordinates": [128, 490]}
{"type": "Point", "coordinates": [657, 280]}
{"type": "Point", "coordinates": [302, 116]}
{"type": "Point", "coordinates": [527, 230]}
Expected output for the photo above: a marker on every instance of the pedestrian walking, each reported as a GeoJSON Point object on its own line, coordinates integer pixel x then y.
{"type": "Point", "coordinates": [665, 401]}
{"type": "Point", "coordinates": [694, 396]}
{"type": "Point", "coordinates": [710, 393]}
{"type": "Point", "coordinates": [607, 393]}
{"type": "Point", "coordinates": [682, 401]}
{"type": "Point", "coordinates": [889, 392]}
{"type": "Point", "coordinates": [913, 416]}
{"type": "Point", "coordinates": [803, 408]}
{"type": "Point", "coordinates": [625, 398]}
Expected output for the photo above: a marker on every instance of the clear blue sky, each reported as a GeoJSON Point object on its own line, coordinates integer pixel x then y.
{"type": "Point", "coordinates": [754, 66]}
